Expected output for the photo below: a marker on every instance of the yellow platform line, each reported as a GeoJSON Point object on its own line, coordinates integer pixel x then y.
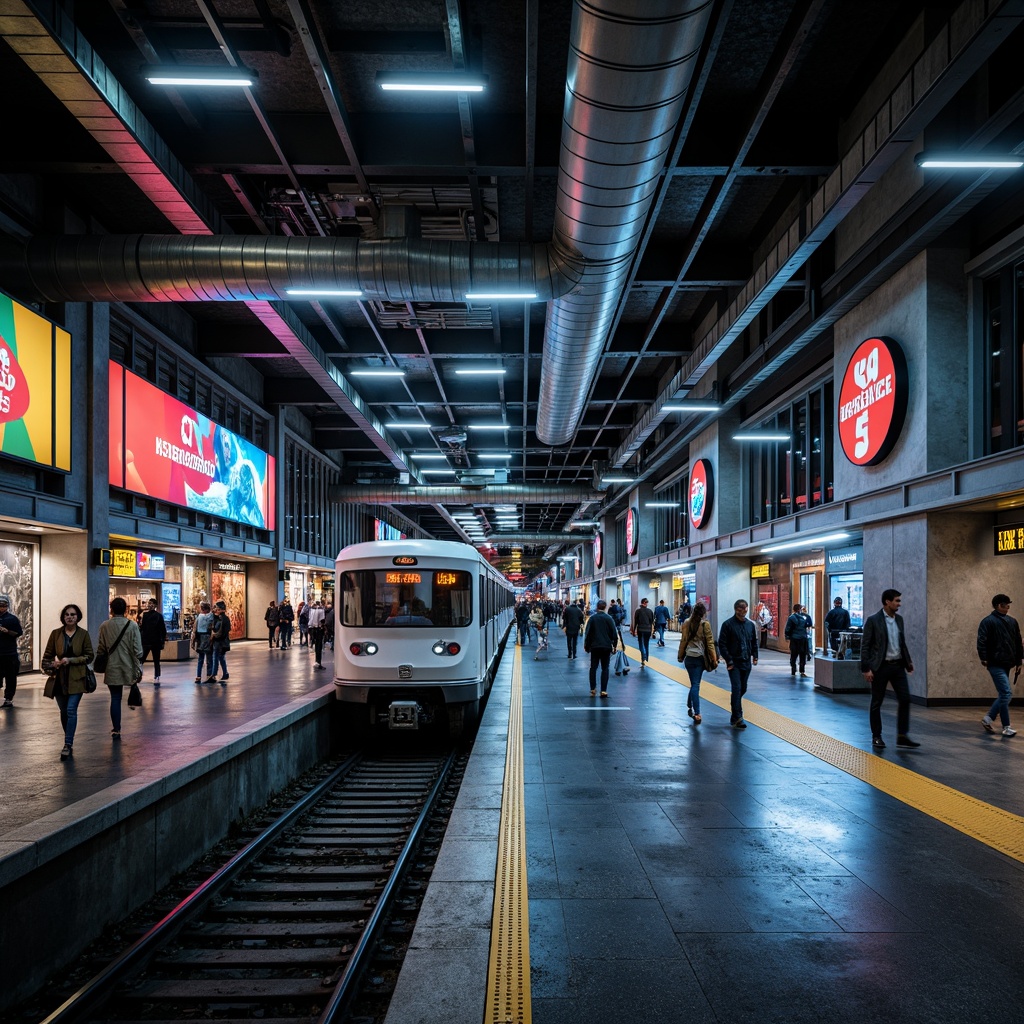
{"type": "Point", "coordinates": [508, 971]}
{"type": "Point", "coordinates": [998, 829]}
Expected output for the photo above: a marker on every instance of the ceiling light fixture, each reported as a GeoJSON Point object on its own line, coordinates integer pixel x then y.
{"type": "Point", "coordinates": [490, 426]}
{"type": "Point", "coordinates": [616, 479]}
{"type": "Point", "coordinates": [427, 456]}
{"type": "Point", "coordinates": [813, 542]}
{"type": "Point", "coordinates": [583, 522]}
{"type": "Point", "coordinates": [324, 293]}
{"type": "Point", "coordinates": [691, 407]}
{"type": "Point", "coordinates": [521, 296]}
{"type": "Point", "coordinates": [662, 504]}
{"type": "Point", "coordinates": [969, 161]}
{"type": "Point", "coordinates": [430, 81]}
{"type": "Point", "coordinates": [408, 426]}
{"type": "Point", "coordinates": [217, 76]}
{"type": "Point", "coordinates": [765, 436]}
{"type": "Point", "coordinates": [494, 458]}
{"type": "Point", "coordinates": [376, 373]}
{"type": "Point", "coordinates": [480, 373]}
{"type": "Point", "coordinates": [437, 472]}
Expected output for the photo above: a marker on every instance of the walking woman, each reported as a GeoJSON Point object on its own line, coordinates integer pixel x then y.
{"type": "Point", "coordinates": [121, 641]}
{"type": "Point", "coordinates": [68, 652]}
{"type": "Point", "coordinates": [202, 641]}
{"type": "Point", "coordinates": [697, 653]}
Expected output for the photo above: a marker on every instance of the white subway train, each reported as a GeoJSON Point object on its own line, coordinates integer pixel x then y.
{"type": "Point", "coordinates": [419, 629]}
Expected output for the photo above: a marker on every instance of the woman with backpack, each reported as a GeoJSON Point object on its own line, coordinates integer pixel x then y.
{"type": "Point", "coordinates": [697, 653]}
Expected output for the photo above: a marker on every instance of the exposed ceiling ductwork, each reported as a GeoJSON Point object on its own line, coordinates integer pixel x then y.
{"type": "Point", "coordinates": [492, 494]}
{"type": "Point", "coordinates": [504, 539]}
{"type": "Point", "coordinates": [612, 156]}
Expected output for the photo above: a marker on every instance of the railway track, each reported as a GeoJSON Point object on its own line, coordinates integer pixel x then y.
{"type": "Point", "coordinates": [286, 930]}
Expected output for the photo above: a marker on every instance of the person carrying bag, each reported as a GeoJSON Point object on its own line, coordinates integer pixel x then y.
{"type": "Point", "coordinates": [698, 655]}
{"type": "Point", "coordinates": [119, 651]}
{"type": "Point", "coordinates": [66, 662]}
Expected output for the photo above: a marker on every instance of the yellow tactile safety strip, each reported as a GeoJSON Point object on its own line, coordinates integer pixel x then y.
{"type": "Point", "coordinates": [996, 828]}
{"type": "Point", "coordinates": [508, 972]}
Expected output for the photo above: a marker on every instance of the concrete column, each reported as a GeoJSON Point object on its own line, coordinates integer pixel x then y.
{"type": "Point", "coordinates": [90, 363]}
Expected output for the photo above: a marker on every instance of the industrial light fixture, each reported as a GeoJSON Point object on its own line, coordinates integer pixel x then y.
{"type": "Point", "coordinates": [490, 426]}
{"type": "Point", "coordinates": [324, 293]}
{"type": "Point", "coordinates": [521, 296]}
{"type": "Point", "coordinates": [430, 81]}
{"type": "Point", "coordinates": [489, 457]}
{"type": "Point", "coordinates": [427, 456]}
{"type": "Point", "coordinates": [217, 76]}
{"type": "Point", "coordinates": [812, 542]}
{"type": "Point", "coordinates": [692, 407]}
{"type": "Point", "coordinates": [767, 435]}
{"type": "Point", "coordinates": [970, 161]}
{"type": "Point", "coordinates": [616, 479]}
{"type": "Point", "coordinates": [498, 372]}
{"type": "Point", "coordinates": [408, 426]}
{"type": "Point", "coordinates": [662, 504]}
{"type": "Point", "coordinates": [675, 567]}
{"type": "Point", "coordinates": [376, 373]}
{"type": "Point", "coordinates": [437, 472]}
{"type": "Point", "coordinates": [583, 522]}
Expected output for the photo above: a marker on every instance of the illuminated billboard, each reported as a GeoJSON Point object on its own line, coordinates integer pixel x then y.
{"type": "Point", "coordinates": [164, 449]}
{"type": "Point", "coordinates": [35, 388]}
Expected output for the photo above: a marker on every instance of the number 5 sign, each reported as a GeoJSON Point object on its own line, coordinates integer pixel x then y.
{"type": "Point", "coordinates": [872, 401]}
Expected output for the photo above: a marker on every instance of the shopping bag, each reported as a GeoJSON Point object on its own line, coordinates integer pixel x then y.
{"type": "Point", "coordinates": [620, 663]}
{"type": "Point", "coordinates": [134, 697]}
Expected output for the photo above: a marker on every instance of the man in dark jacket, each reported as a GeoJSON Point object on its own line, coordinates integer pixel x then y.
{"type": "Point", "coordinates": [286, 617]}
{"type": "Point", "coordinates": [1000, 649]}
{"type": "Point", "coordinates": [10, 630]}
{"type": "Point", "coordinates": [572, 623]}
{"type": "Point", "coordinates": [599, 640]}
{"type": "Point", "coordinates": [837, 620]}
{"type": "Point", "coordinates": [796, 634]}
{"type": "Point", "coordinates": [643, 627]}
{"type": "Point", "coordinates": [154, 636]}
{"type": "Point", "coordinates": [737, 644]}
{"type": "Point", "coordinates": [884, 659]}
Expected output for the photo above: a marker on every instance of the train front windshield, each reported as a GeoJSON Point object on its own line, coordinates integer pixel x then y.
{"type": "Point", "coordinates": [389, 597]}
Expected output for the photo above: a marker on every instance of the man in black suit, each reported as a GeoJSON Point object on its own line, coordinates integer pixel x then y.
{"type": "Point", "coordinates": [884, 659]}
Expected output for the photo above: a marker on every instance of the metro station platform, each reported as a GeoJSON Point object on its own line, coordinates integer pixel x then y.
{"type": "Point", "coordinates": [667, 871]}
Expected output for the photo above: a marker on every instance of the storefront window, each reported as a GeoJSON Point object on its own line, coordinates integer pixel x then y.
{"type": "Point", "coordinates": [1003, 353]}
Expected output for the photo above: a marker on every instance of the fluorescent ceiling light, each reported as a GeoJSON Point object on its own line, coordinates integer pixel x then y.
{"type": "Point", "coordinates": [692, 407]}
{"type": "Point", "coordinates": [583, 522]}
{"type": "Point", "coordinates": [480, 373]}
{"type": "Point", "coordinates": [437, 472]}
{"type": "Point", "coordinates": [325, 293]}
{"type": "Point", "coordinates": [430, 81]}
{"type": "Point", "coordinates": [616, 479]}
{"type": "Point", "coordinates": [490, 426]}
{"type": "Point", "coordinates": [813, 542]}
{"type": "Point", "coordinates": [218, 76]}
{"type": "Point", "coordinates": [521, 296]}
{"type": "Point", "coordinates": [376, 373]}
{"type": "Point", "coordinates": [408, 426]}
{"type": "Point", "coordinates": [662, 504]}
{"type": "Point", "coordinates": [622, 577]}
{"type": "Point", "coordinates": [427, 456]}
{"type": "Point", "coordinates": [494, 458]}
{"type": "Point", "coordinates": [765, 436]}
{"type": "Point", "coordinates": [674, 568]}
{"type": "Point", "coordinates": [969, 161]}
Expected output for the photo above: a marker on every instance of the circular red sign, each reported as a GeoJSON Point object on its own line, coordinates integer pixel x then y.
{"type": "Point", "coordinates": [872, 401]}
{"type": "Point", "coordinates": [632, 531]}
{"type": "Point", "coordinates": [598, 549]}
{"type": "Point", "coordinates": [702, 493]}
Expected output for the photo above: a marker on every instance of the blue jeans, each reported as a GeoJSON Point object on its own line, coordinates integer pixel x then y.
{"type": "Point", "coordinates": [115, 707]}
{"type": "Point", "coordinates": [68, 704]}
{"type": "Point", "coordinates": [205, 657]}
{"type": "Point", "coordinates": [218, 659]}
{"type": "Point", "coordinates": [738, 676]}
{"type": "Point", "coordinates": [643, 641]}
{"type": "Point", "coordinates": [695, 670]}
{"type": "Point", "coordinates": [661, 634]}
{"type": "Point", "coordinates": [1001, 677]}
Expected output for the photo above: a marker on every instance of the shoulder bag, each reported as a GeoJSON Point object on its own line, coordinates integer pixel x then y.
{"type": "Point", "coordinates": [710, 660]}
{"type": "Point", "coordinates": [99, 663]}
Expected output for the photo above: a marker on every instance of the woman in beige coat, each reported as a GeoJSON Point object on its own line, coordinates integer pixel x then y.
{"type": "Point", "coordinates": [124, 657]}
{"type": "Point", "coordinates": [68, 652]}
{"type": "Point", "coordinates": [697, 653]}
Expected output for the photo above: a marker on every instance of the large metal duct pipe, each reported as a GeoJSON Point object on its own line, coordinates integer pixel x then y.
{"type": "Point", "coordinates": [501, 539]}
{"type": "Point", "coordinates": [629, 69]}
{"type": "Point", "coordinates": [215, 268]}
{"type": "Point", "coordinates": [492, 494]}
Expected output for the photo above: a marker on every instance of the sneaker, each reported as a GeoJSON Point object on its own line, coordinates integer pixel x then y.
{"type": "Point", "coordinates": [697, 719]}
{"type": "Point", "coordinates": [8, 704]}
{"type": "Point", "coordinates": [689, 712]}
{"type": "Point", "coordinates": [986, 724]}
{"type": "Point", "coordinates": [593, 693]}
{"type": "Point", "coordinates": [225, 676]}
{"type": "Point", "coordinates": [739, 724]}
{"type": "Point", "coordinates": [878, 743]}
{"type": "Point", "coordinates": [199, 681]}
{"type": "Point", "coordinates": [66, 752]}
{"type": "Point", "coordinates": [1009, 732]}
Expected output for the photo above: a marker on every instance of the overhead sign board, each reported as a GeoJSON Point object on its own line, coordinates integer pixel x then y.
{"type": "Point", "coordinates": [872, 401]}
{"type": "Point", "coordinates": [702, 493]}
{"type": "Point", "coordinates": [761, 571]}
{"type": "Point", "coordinates": [1009, 540]}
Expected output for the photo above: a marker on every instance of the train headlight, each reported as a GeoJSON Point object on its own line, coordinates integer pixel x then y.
{"type": "Point", "coordinates": [371, 648]}
{"type": "Point", "coordinates": [446, 648]}
{"type": "Point", "coordinates": [367, 647]}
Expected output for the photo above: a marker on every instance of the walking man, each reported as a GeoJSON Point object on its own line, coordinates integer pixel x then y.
{"type": "Point", "coordinates": [885, 659]}
{"type": "Point", "coordinates": [796, 634]}
{"type": "Point", "coordinates": [599, 640]}
{"type": "Point", "coordinates": [10, 630]}
{"type": "Point", "coordinates": [737, 644]}
{"type": "Point", "coordinates": [316, 633]}
{"type": "Point", "coordinates": [154, 636]}
{"type": "Point", "coordinates": [572, 623]}
{"type": "Point", "coordinates": [999, 647]}
{"type": "Point", "coordinates": [661, 617]}
{"type": "Point", "coordinates": [643, 627]}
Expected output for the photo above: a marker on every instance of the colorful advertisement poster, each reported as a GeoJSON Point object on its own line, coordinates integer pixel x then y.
{"type": "Point", "coordinates": [35, 387]}
{"type": "Point", "coordinates": [164, 449]}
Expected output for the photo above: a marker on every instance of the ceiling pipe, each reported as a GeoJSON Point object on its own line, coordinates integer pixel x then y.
{"type": "Point", "coordinates": [492, 494]}
{"type": "Point", "coordinates": [504, 539]}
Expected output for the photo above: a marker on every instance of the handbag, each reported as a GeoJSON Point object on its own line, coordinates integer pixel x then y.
{"type": "Point", "coordinates": [99, 663]}
{"type": "Point", "coordinates": [620, 663]}
{"type": "Point", "coordinates": [90, 680]}
{"type": "Point", "coordinates": [135, 697]}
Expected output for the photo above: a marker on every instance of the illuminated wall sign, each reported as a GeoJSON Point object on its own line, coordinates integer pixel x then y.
{"type": "Point", "coordinates": [35, 384]}
{"type": "Point", "coordinates": [402, 577]}
{"type": "Point", "coordinates": [228, 567]}
{"type": "Point", "coordinates": [761, 571]}
{"type": "Point", "coordinates": [702, 492]}
{"type": "Point", "coordinates": [1009, 540]}
{"type": "Point", "coordinates": [149, 566]}
{"type": "Point", "coordinates": [844, 560]}
{"type": "Point", "coordinates": [872, 401]}
{"type": "Point", "coordinates": [164, 449]}
{"type": "Point", "coordinates": [598, 550]}
{"type": "Point", "coordinates": [123, 562]}
{"type": "Point", "coordinates": [632, 530]}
